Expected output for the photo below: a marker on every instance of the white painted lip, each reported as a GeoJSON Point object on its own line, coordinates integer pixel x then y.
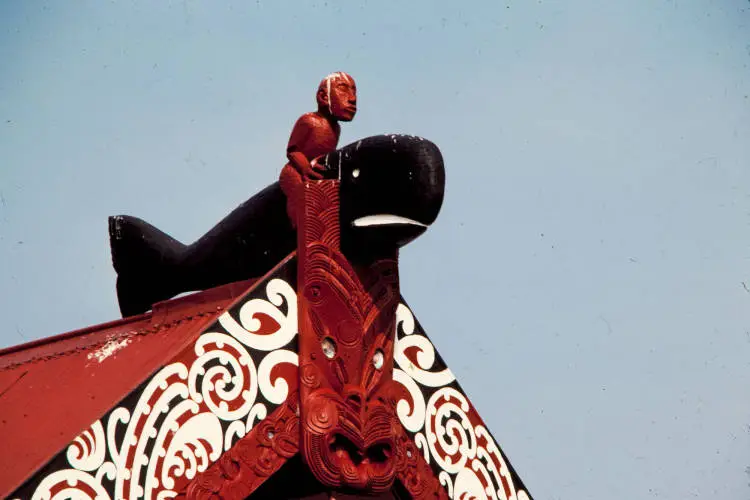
{"type": "Point", "coordinates": [384, 220]}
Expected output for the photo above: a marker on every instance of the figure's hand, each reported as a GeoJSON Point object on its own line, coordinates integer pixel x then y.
{"type": "Point", "coordinates": [314, 171]}
{"type": "Point", "coordinates": [307, 169]}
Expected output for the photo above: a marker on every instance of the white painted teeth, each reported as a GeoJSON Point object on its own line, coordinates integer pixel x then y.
{"type": "Point", "coordinates": [384, 220]}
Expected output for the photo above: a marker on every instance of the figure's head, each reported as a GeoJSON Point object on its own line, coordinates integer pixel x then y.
{"type": "Point", "coordinates": [337, 96]}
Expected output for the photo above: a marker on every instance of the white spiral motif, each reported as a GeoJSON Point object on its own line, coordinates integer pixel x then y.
{"type": "Point", "coordinates": [449, 431]}
{"type": "Point", "coordinates": [166, 389]}
{"type": "Point", "coordinates": [178, 414]}
{"type": "Point", "coordinates": [447, 482]}
{"type": "Point", "coordinates": [276, 391]}
{"type": "Point", "coordinates": [411, 415]}
{"type": "Point", "coordinates": [278, 292]}
{"type": "Point", "coordinates": [236, 369]}
{"type": "Point", "coordinates": [495, 466]}
{"type": "Point", "coordinates": [421, 441]}
{"type": "Point", "coordinates": [118, 416]}
{"type": "Point", "coordinates": [468, 486]}
{"type": "Point", "coordinates": [469, 462]}
{"type": "Point", "coordinates": [66, 483]}
{"type": "Point", "coordinates": [420, 371]}
{"type": "Point", "coordinates": [258, 412]}
{"type": "Point", "coordinates": [196, 445]}
{"type": "Point", "coordinates": [166, 433]}
{"type": "Point", "coordinates": [88, 450]}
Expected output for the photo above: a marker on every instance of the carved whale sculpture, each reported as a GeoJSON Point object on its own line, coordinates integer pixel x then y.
{"type": "Point", "coordinates": [391, 190]}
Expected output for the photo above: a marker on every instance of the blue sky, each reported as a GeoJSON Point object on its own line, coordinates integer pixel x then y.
{"type": "Point", "coordinates": [585, 278]}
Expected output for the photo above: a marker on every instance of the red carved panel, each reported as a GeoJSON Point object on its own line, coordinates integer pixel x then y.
{"type": "Point", "coordinates": [253, 459]}
{"type": "Point", "coordinates": [414, 473]}
{"type": "Point", "coordinates": [348, 431]}
{"type": "Point", "coordinates": [346, 325]}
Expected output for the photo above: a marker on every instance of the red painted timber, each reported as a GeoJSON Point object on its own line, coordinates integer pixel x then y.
{"type": "Point", "coordinates": [53, 389]}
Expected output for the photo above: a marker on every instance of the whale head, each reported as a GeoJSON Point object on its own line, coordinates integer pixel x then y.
{"type": "Point", "coordinates": [391, 191]}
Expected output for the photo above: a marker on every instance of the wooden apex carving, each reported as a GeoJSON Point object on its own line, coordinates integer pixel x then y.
{"type": "Point", "coordinates": [315, 382]}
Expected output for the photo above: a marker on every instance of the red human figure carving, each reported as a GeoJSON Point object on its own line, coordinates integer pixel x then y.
{"type": "Point", "coordinates": [316, 134]}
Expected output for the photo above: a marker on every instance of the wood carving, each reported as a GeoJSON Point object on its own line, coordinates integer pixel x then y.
{"type": "Point", "coordinates": [351, 436]}
{"type": "Point", "coordinates": [253, 459]}
{"type": "Point", "coordinates": [227, 382]}
{"type": "Point", "coordinates": [317, 134]}
{"type": "Point", "coordinates": [414, 473]}
{"type": "Point", "coordinates": [331, 387]}
{"type": "Point", "coordinates": [349, 233]}
{"type": "Point", "coordinates": [347, 323]}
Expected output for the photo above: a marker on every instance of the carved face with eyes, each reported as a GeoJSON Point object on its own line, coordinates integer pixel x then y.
{"type": "Point", "coordinates": [337, 96]}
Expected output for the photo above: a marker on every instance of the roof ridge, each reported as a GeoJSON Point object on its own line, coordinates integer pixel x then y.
{"type": "Point", "coordinates": [158, 312]}
{"type": "Point", "coordinates": [72, 334]}
{"type": "Point", "coordinates": [155, 328]}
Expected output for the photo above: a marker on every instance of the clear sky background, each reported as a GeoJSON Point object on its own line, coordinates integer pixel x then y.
{"type": "Point", "coordinates": [585, 277]}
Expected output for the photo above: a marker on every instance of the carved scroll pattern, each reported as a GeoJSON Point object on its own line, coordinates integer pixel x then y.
{"type": "Point", "coordinates": [438, 416]}
{"type": "Point", "coordinates": [185, 416]}
{"type": "Point", "coordinates": [243, 370]}
{"type": "Point", "coordinates": [253, 459]}
{"type": "Point", "coordinates": [413, 472]}
{"type": "Point", "coordinates": [347, 320]}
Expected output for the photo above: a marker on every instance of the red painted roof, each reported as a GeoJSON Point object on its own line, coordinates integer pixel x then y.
{"type": "Point", "coordinates": [52, 389]}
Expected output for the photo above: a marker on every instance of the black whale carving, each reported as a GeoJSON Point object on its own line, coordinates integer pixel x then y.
{"type": "Point", "coordinates": [391, 189]}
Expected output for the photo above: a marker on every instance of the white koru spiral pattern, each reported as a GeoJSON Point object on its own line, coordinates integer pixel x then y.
{"type": "Point", "coordinates": [87, 451]}
{"type": "Point", "coordinates": [179, 413]}
{"type": "Point", "coordinates": [420, 371]}
{"type": "Point", "coordinates": [439, 416]}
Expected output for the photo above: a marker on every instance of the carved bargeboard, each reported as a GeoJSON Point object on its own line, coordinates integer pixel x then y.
{"type": "Point", "coordinates": [119, 454]}
{"type": "Point", "coordinates": [362, 424]}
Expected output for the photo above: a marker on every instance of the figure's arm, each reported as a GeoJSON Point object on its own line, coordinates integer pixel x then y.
{"type": "Point", "coordinates": [301, 133]}
{"type": "Point", "coordinates": [299, 161]}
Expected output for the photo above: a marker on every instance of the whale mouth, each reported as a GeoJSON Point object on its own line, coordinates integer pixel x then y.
{"type": "Point", "coordinates": [385, 220]}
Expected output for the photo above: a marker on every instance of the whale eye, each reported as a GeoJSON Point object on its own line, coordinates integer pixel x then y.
{"type": "Point", "coordinates": [355, 173]}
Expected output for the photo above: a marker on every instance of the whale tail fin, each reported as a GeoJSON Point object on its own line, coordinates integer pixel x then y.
{"type": "Point", "coordinates": [145, 260]}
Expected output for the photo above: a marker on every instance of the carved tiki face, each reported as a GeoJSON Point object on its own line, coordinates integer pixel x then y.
{"type": "Point", "coordinates": [338, 94]}
{"type": "Point", "coordinates": [349, 424]}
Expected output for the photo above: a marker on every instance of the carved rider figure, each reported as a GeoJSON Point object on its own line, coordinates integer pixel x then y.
{"type": "Point", "coordinates": [316, 134]}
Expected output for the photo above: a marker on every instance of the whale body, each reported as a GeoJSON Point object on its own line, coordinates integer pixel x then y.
{"type": "Point", "coordinates": [391, 190]}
